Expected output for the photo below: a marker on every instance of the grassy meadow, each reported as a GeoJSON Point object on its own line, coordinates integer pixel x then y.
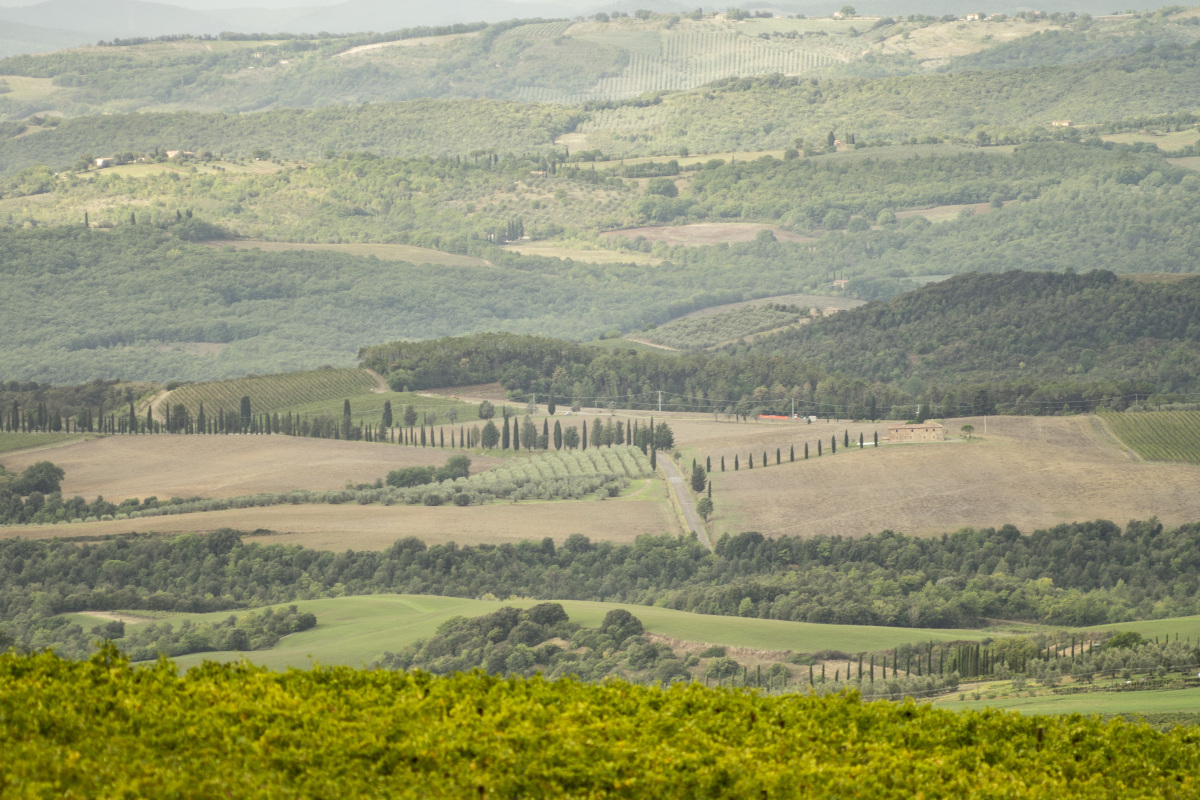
{"type": "Point", "coordinates": [354, 630]}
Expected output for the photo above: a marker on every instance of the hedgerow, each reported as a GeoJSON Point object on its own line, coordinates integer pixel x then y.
{"type": "Point", "coordinates": [105, 728]}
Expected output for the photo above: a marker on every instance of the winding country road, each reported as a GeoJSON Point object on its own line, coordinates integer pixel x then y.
{"type": "Point", "coordinates": [684, 496]}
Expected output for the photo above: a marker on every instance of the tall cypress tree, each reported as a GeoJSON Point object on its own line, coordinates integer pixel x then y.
{"type": "Point", "coordinates": [516, 439]}
{"type": "Point", "coordinates": [583, 436]}
{"type": "Point", "coordinates": [557, 435]}
{"type": "Point", "coordinates": [506, 435]}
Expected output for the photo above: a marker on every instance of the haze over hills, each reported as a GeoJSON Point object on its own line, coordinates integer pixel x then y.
{"type": "Point", "coordinates": [39, 27]}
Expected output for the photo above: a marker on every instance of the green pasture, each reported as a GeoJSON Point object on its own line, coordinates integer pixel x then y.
{"type": "Point", "coordinates": [11, 442]}
{"type": "Point", "coordinates": [1175, 140]}
{"type": "Point", "coordinates": [1148, 702]}
{"type": "Point", "coordinates": [1181, 627]}
{"type": "Point", "coordinates": [355, 630]}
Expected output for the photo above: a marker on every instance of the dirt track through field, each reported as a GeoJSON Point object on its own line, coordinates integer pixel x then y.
{"type": "Point", "coordinates": [118, 467]}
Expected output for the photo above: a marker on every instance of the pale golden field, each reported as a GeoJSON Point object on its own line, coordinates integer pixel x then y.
{"type": "Point", "coordinates": [1031, 472]}
{"type": "Point", "coordinates": [354, 527]}
{"type": "Point", "coordinates": [1028, 471]}
{"type": "Point", "coordinates": [119, 467]}
{"type": "Point", "coordinates": [704, 233]}
{"type": "Point", "coordinates": [384, 252]}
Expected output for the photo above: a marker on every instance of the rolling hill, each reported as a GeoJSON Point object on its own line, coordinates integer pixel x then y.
{"type": "Point", "coordinates": [1017, 328]}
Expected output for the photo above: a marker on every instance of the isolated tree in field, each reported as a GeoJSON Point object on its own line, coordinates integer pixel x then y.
{"type": "Point", "coordinates": [968, 430]}
{"type": "Point", "coordinates": [486, 410]}
{"type": "Point", "coordinates": [708, 464]}
{"type": "Point", "coordinates": [846, 439]}
{"type": "Point", "coordinates": [750, 461]}
{"type": "Point", "coordinates": [735, 463]}
{"type": "Point", "coordinates": [386, 420]}
{"type": "Point", "coordinates": [722, 463]}
{"type": "Point", "coordinates": [818, 448]}
{"type": "Point", "coordinates": [860, 441]}
{"type": "Point", "coordinates": [550, 406]}
{"type": "Point", "coordinates": [699, 478]}
{"type": "Point", "coordinates": [704, 507]}
{"type": "Point", "coordinates": [833, 444]}
{"type": "Point", "coordinates": [245, 409]}
{"type": "Point", "coordinates": [570, 437]}
{"type": "Point", "coordinates": [452, 414]}
{"type": "Point", "coordinates": [558, 435]}
{"type": "Point", "coordinates": [410, 416]}
{"type": "Point", "coordinates": [877, 438]}
{"type": "Point", "coordinates": [489, 438]}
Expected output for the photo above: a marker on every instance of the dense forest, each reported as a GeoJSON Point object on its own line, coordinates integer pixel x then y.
{"type": "Point", "coordinates": [1071, 575]}
{"type": "Point", "coordinates": [143, 303]}
{"type": "Point", "coordinates": [1018, 328]}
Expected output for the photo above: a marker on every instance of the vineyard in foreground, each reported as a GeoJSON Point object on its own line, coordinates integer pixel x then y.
{"type": "Point", "coordinates": [103, 727]}
{"type": "Point", "coordinates": [1161, 436]}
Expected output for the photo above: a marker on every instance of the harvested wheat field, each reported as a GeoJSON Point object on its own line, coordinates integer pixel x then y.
{"type": "Point", "coordinates": [118, 467]}
{"type": "Point", "coordinates": [1031, 472]}
{"type": "Point", "coordinates": [354, 527]}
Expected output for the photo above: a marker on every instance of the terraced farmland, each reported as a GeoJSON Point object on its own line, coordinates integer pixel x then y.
{"type": "Point", "coordinates": [1160, 435]}
{"type": "Point", "coordinates": [275, 392]}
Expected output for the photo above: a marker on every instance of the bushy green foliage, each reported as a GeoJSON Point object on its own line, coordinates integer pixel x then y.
{"type": "Point", "coordinates": [542, 639]}
{"type": "Point", "coordinates": [145, 641]}
{"type": "Point", "coordinates": [254, 733]}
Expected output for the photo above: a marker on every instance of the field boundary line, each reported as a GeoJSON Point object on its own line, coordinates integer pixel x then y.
{"type": "Point", "coordinates": [1125, 449]}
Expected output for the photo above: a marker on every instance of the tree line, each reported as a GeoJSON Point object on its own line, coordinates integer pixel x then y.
{"type": "Point", "coordinates": [1070, 575]}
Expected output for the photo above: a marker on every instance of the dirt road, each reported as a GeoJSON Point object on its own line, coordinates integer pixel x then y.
{"type": "Point", "coordinates": [684, 496]}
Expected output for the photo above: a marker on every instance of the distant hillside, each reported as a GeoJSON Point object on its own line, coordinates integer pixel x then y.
{"type": "Point", "coordinates": [996, 106]}
{"type": "Point", "coordinates": [17, 38]}
{"type": "Point", "coordinates": [405, 53]}
{"type": "Point", "coordinates": [1014, 328]}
